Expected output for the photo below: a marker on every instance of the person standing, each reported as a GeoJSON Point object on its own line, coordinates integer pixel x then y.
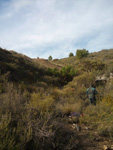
{"type": "Point", "coordinates": [91, 92]}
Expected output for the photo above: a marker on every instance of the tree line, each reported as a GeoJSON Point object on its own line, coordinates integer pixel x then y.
{"type": "Point", "coordinates": [80, 53]}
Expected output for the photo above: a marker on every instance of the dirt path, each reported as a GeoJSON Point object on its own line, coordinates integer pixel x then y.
{"type": "Point", "coordinates": [90, 139]}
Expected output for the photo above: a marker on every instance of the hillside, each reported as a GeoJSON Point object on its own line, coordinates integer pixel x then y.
{"type": "Point", "coordinates": [46, 64]}
{"type": "Point", "coordinates": [44, 106]}
{"type": "Point", "coordinates": [103, 55]}
{"type": "Point", "coordinates": [21, 68]}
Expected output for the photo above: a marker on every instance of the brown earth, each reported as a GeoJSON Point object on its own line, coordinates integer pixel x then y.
{"type": "Point", "coordinates": [90, 139]}
{"type": "Point", "coordinates": [46, 63]}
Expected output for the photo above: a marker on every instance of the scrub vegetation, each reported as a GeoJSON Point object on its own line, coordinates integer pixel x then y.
{"type": "Point", "coordinates": [37, 96]}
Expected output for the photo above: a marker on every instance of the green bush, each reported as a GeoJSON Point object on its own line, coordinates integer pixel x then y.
{"type": "Point", "coordinates": [64, 75]}
{"type": "Point", "coordinates": [53, 71]}
{"type": "Point", "coordinates": [50, 58]}
{"type": "Point", "coordinates": [68, 72]}
{"type": "Point", "coordinates": [81, 53]}
{"type": "Point", "coordinates": [71, 54]}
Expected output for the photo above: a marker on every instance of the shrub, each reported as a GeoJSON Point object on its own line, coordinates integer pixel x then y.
{"type": "Point", "coordinates": [67, 108]}
{"type": "Point", "coordinates": [50, 58]}
{"type": "Point", "coordinates": [48, 134]}
{"type": "Point", "coordinates": [108, 101]}
{"type": "Point", "coordinates": [106, 128]}
{"type": "Point", "coordinates": [67, 73]}
{"type": "Point", "coordinates": [30, 123]}
{"type": "Point", "coordinates": [41, 103]}
{"type": "Point", "coordinates": [14, 130]}
{"type": "Point", "coordinates": [90, 66]}
{"type": "Point", "coordinates": [85, 79]}
{"type": "Point", "coordinates": [81, 53]}
{"type": "Point", "coordinates": [53, 71]}
{"type": "Point", "coordinates": [71, 54]}
{"type": "Point", "coordinates": [100, 117]}
{"type": "Point", "coordinates": [64, 75]}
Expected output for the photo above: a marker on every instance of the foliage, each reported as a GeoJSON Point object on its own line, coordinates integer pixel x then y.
{"type": "Point", "coordinates": [28, 122]}
{"type": "Point", "coordinates": [53, 72]}
{"type": "Point", "coordinates": [42, 103]}
{"type": "Point", "coordinates": [81, 53]}
{"type": "Point", "coordinates": [71, 54]}
{"type": "Point", "coordinates": [50, 58]}
{"type": "Point", "coordinates": [90, 66]}
{"type": "Point", "coordinates": [85, 79]}
{"type": "Point", "coordinates": [21, 67]}
{"type": "Point", "coordinates": [100, 116]}
{"type": "Point", "coordinates": [65, 75]}
{"type": "Point", "coordinates": [35, 101]}
{"type": "Point", "coordinates": [69, 107]}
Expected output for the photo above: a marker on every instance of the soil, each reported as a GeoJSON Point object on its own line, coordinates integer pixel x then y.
{"type": "Point", "coordinates": [90, 139]}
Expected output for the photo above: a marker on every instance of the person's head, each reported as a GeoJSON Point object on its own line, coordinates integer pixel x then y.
{"type": "Point", "coordinates": [92, 85]}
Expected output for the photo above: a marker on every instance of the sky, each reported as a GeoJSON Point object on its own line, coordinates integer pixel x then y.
{"type": "Point", "coordinates": [40, 28]}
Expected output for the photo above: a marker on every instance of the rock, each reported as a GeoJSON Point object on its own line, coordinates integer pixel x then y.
{"type": "Point", "coordinates": [108, 147]}
{"type": "Point", "coordinates": [86, 128]}
{"type": "Point", "coordinates": [75, 126]}
{"type": "Point", "coordinates": [70, 120]}
{"type": "Point", "coordinates": [105, 147]}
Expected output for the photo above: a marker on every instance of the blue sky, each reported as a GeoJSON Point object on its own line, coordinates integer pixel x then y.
{"type": "Point", "coordinates": [40, 28]}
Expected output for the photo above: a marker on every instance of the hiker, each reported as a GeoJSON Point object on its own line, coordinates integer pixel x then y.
{"type": "Point", "coordinates": [91, 92]}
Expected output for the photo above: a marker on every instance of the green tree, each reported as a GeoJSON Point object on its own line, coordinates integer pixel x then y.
{"type": "Point", "coordinates": [71, 54]}
{"type": "Point", "coordinates": [80, 53]}
{"type": "Point", "coordinates": [67, 73]}
{"type": "Point", "coordinates": [50, 58]}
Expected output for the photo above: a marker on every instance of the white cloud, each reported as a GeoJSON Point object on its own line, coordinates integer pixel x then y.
{"type": "Point", "coordinates": [28, 25]}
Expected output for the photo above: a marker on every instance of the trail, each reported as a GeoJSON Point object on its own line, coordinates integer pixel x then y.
{"type": "Point", "coordinates": [90, 139]}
